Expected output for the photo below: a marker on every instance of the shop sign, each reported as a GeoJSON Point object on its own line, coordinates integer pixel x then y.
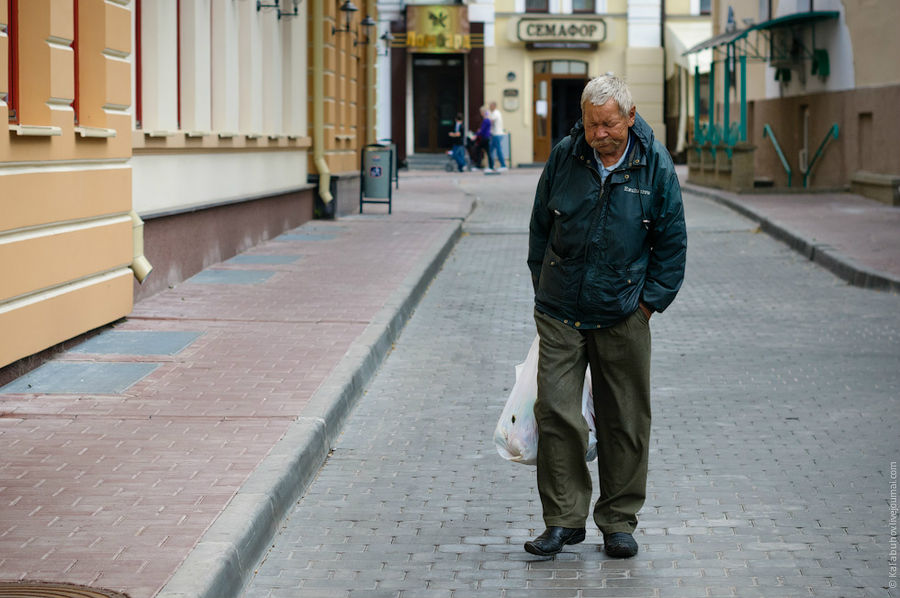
{"type": "Point", "coordinates": [440, 29]}
{"type": "Point", "coordinates": [562, 30]}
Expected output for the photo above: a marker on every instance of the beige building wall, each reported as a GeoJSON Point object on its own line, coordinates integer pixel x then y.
{"type": "Point", "coordinates": [509, 55]}
{"type": "Point", "coordinates": [876, 45]}
{"type": "Point", "coordinates": [201, 128]}
{"type": "Point", "coordinates": [625, 50]}
{"type": "Point", "coordinates": [65, 182]}
{"type": "Point", "coordinates": [220, 138]}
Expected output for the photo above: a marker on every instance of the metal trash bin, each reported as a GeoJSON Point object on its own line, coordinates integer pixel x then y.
{"type": "Point", "coordinates": [375, 170]}
{"type": "Point", "coordinates": [395, 175]}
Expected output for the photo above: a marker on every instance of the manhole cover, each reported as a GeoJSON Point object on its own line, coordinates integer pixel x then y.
{"type": "Point", "coordinates": [42, 589]}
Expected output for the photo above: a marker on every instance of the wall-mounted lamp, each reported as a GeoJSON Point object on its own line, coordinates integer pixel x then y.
{"type": "Point", "coordinates": [348, 8]}
{"type": "Point", "coordinates": [387, 38]}
{"type": "Point", "coordinates": [281, 13]}
{"type": "Point", "coordinates": [365, 23]}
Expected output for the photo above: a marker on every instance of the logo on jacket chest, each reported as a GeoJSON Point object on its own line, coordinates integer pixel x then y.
{"type": "Point", "coordinates": [638, 191]}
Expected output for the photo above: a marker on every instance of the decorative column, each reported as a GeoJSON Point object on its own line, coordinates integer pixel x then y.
{"type": "Point", "coordinates": [644, 62]}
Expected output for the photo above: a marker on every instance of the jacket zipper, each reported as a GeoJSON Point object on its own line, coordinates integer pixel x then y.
{"type": "Point", "coordinates": [604, 186]}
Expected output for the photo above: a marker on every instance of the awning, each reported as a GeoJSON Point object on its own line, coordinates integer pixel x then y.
{"type": "Point", "coordinates": [719, 40]}
{"type": "Point", "coordinates": [791, 20]}
{"type": "Point", "coordinates": [798, 18]}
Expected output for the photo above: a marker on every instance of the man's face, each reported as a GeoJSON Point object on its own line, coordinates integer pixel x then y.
{"type": "Point", "coordinates": [605, 129]}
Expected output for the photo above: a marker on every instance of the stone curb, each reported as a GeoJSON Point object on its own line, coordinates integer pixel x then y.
{"type": "Point", "coordinates": [819, 253]}
{"type": "Point", "coordinates": [224, 558]}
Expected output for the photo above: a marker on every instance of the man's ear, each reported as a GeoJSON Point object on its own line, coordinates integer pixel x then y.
{"type": "Point", "coordinates": [631, 116]}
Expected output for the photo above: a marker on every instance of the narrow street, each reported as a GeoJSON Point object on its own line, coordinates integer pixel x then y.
{"type": "Point", "coordinates": [774, 439]}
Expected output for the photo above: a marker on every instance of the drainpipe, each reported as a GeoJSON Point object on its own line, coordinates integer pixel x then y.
{"type": "Point", "coordinates": [139, 264]}
{"type": "Point", "coordinates": [370, 77]}
{"type": "Point", "coordinates": [318, 83]}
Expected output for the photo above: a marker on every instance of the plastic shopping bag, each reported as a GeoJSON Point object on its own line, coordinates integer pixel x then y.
{"type": "Point", "coordinates": [516, 433]}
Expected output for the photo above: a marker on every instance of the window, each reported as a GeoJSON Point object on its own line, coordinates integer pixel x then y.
{"type": "Point", "coordinates": [561, 67]}
{"type": "Point", "coordinates": [583, 6]}
{"type": "Point", "coordinates": [75, 59]}
{"type": "Point", "coordinates": [705, 7]}
{"type": "Point", "coordinates": [138, 54]}
{"type": "Point", "coordinates": [537, 5]}
{"type": "Point", "coordinates": [178, 62]}
{"type": "Point", "coordinates": [12, 84]}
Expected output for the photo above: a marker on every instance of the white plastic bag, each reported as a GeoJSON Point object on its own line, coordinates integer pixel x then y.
{"type": "Point", "coordinates": [516, 433]}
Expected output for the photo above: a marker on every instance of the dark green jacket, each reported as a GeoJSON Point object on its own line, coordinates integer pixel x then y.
{"type": "Point", "coordinates": [596, 250]}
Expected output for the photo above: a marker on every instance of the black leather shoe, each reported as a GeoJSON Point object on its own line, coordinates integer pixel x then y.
{"type": "Point", "coordinates": [620, 545]}
{"type": "Point", "coordinates": [553, 539]}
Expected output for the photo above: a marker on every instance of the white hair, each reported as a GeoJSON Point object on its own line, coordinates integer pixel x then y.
{"type": "Point", "coordinates": [607, 87]}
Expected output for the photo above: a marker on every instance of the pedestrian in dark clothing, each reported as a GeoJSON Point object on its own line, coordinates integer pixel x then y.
{"type": "Point", "coordinates": [607, 249]}
{"type": "Point", "coordinates": [457, 141]}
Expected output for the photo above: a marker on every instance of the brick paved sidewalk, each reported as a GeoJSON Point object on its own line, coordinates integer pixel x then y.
{"type": "Point", "coordinates": [854, 237]}
{"type": "Point", "coordinates": [116, 463]}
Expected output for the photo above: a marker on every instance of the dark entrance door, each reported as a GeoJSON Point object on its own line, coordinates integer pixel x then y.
{"type": "Point", "coordinates": [566, 107]}
{"type": "Point", "coordinates": [557, 102]}
{"type": "Point", "coordinates": [437, 97]}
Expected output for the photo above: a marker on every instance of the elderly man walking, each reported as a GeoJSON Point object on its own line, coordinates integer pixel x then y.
{"type": "Point", "coordinates": [607, 248]}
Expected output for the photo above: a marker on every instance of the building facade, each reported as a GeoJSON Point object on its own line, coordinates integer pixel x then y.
{"type": "Point", "coordinates": [219, 130]}
{"type": "Point", "coordinates": [817, 105]}
{"type": "Point", "coordinates": [66, 234]}
{"type": "Point", "coordinates": [149, 139]}
{"type": "Point", "coordinates": [532, 57]}
{"type": "Point", "coordinates": [433, 69]}
{"type": "Point", "coordinates": [343, 45]}
{"type": "Point", "coordinates": [546, 50]}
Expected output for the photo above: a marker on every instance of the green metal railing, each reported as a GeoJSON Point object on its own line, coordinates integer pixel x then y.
{"type": "Point", "coordinates": [768, 132]}
{"type": "Point", "coordinates": [728, 133]}
{"type": "Point", "coordinates": [831, 134]}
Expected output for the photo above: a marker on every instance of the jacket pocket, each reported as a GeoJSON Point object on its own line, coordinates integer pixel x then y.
{"type": "Point", "coordinates": [614, 291]}
{"type": "Point", "coordinates": [559, 282]}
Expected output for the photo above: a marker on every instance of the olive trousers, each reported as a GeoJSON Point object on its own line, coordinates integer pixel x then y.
{"type": "Point", "coordinates": [619, 357]}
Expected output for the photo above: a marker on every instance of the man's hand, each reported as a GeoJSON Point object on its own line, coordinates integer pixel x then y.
{"type": "Point", "coordinates": [647, 311]}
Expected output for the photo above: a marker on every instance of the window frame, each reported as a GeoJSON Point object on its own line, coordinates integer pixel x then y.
{"type": "Point", "coordinates": [544, 10]}
{"type": "Point", "coordinates": [75, 56]}
{"type": "Point", "coordinates": [12, 72]}
{"type": "Point", "coordinates": [138, 55]}
{"type": "Point", "coordinates": [588, 11]}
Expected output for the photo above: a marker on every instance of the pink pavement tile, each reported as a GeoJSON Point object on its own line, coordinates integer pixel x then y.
{"type": "Point", "coordinates": [112, 497]}
{"type": "Point", "coordinates": [115, 490]}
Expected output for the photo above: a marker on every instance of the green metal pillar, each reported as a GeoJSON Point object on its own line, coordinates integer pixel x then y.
{"type": "Point", "coordinates": [697, 105]}
{"type": "Point", "coordinates": [743, 97]}
{"type": "Point", "coordinates": [712, 96]}
{"type": "Point", "coordinates": [726, 124]}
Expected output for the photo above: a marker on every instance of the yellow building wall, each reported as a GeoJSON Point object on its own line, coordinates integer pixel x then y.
{"type": "Point", "coordinates": [65, 187]}
{"type": "Point", "coordinates": [348, 123]}
{"type": "Point", "coordinates": [644, 74]}
{"type": "Point", "coordinates": [873, 28]}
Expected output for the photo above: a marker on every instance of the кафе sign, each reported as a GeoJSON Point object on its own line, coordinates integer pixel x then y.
{"type": "Point", "coordinates": [438, 29]}
{"type": "Point", "coordinates": [561, 30]}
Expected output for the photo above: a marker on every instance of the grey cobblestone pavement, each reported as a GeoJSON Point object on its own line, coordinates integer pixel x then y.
{"type": "Point", "coordinates": [775, 437]}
